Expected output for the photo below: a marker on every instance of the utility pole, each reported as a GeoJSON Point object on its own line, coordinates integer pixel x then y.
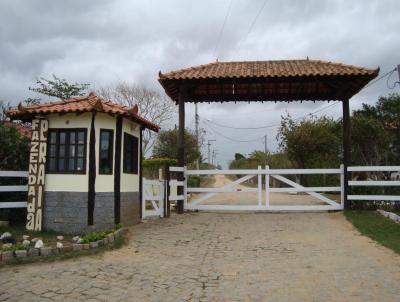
{"type": "Point", "coordinates": [213, 157]}
{"type": "Point", "coordinates": [398, 72]}
{"type": "Point", "coordinates": [209, 145]}
{"type": "Point", "coordinates": [196, 119]}
{"type": "Point", "coordinates": [265, 149]}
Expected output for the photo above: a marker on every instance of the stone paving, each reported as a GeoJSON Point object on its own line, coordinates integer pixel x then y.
{"type": "Point", "coordinates": [221, 257]}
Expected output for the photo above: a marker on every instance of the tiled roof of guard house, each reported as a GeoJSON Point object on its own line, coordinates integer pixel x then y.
{"type": "Point", "coordinates": [263, 72]}
{"type": "Point", "coordinates": [82, 104]}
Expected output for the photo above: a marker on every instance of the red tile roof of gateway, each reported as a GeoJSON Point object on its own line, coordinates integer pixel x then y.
{"type": "Point", "coordinates": [283, 80]}
{"type": "Point", "coordinates": [260, 69]}
{"type": "Point", "coordinates": [82, 104]}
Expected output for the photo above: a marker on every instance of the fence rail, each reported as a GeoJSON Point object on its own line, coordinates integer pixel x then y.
{"type": "Point", "coordinates": [13, 188]}
{"type": "Point", "coordinates": [374, 183]}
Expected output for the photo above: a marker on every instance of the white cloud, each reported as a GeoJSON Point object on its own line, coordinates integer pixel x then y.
{"type": "Point", "coordinates": [101, 42]}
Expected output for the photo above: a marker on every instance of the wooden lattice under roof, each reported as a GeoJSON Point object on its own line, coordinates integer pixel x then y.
{"type": "Point", "coordinates": [283, 80]}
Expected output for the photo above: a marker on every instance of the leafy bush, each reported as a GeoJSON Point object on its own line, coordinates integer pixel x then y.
{"type": "Point", "coordinates": [14, 155]}
{"type": "Point", "coordinates": [95, 236]}
{"type": "Point", "coordinates": [15, 247]}
{"type": "Point", "coordinates": [193, 181]}
{"type": "Point", "coordinates": [152, 165]}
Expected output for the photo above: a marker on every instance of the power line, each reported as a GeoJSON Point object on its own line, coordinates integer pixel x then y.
{"type": "Point", "coordinates": [222, 28]}
{"type": "Point", "coordinates": [388, 79]}
{"type": "Point", "coordinates": [380, 78]}
{"type": "Point", "coordinates": [389, 73]}
{"type": "Point", "coordinates": [233, 139]}
{"type": "Point", "coordinates": [271, 125]}
{"type": "Point", "coordinates": [252, 24]}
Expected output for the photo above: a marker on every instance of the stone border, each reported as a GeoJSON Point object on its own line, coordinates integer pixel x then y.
{"type": "Point", "coordinates": [390, 215]}
{"type": "Point", "coordinates": [52, 251]}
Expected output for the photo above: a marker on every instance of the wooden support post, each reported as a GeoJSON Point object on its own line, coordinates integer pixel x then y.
{"type": "Point", "coordinates": [346, 150]}
{"type": "Point", "coordinates": [181, 146]}
{"type": "Point", "coordinates": [141, 170]}
{"type": "Point", "coordinates": [117, 170]}
{"type": "Point", "coordinates": [92, 171]}
{"type": "Point", "coordinates": [167, 206]}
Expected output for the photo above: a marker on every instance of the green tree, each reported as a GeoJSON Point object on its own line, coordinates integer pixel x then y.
{"type": "Point", "coordinates": [59, 88]}
{"type": "Point", "coordinates": [385, 124]}
{"type": "Point", "coordinates": [14, 151]}
{"type": "Point", "coordinates": [166, 145]}
{"type": "Point", "coordinates": [311, 143]}
{"type": "Point", "coordinates": [370, 141]}
{"type": "Point", "coordinates": [239, 156]}
{"type": "Point", "coordinates": [260, 158]}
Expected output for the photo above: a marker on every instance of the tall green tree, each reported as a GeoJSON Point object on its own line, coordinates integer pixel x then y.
{"type": "Point", "coordinates": [384, 135]}
{"type": "Point", "coordinates": [59, 88]}
{"type": "Point", "coordinates": [166, 145]}
{"type": "Point", "coordinates": [370, 141]}
{"type": "Point", "coordinates": [14, 151]}
{"type": "Point", "coordinates": [311, 143]}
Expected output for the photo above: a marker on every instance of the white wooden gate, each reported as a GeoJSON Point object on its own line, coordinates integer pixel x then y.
{"type": "Point", "coordinates": [152, 198]}
{"type": "Point", "coordinates": [263, 188]}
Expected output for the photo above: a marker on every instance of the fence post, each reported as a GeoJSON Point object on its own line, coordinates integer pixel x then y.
{"type": "Point", "coordinates": [259, 186]}
{"type": "Point", "coordinates": [184, 188]}
{"type": "Point", "coordinates": [179, 191]}
{"type": "Point", "coordinates": [342, 185]}
{"type": "Point", "coordinates": [166, 195]}
{"type": "Point", "coordinates": [161, 192]}
{"type": "Point", "coordinates": [143, 201]}
{"type": "Point", "coordinates": [267, 186]}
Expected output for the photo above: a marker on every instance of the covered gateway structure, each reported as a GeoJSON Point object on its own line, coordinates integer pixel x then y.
{"type": "Point", "coordinates": [265, 81]}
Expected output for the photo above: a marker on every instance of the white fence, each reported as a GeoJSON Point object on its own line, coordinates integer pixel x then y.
{"type": "Point", "coordinates": [10, 188]}
{"type": "Point", "coordinates": [152, 198]}
{"type": "Point", "coordinates": [154, 190]}
{"type": "Point", "coordinates": [263, 176]}
{"type": "Point", "coordinates": [375, 183]}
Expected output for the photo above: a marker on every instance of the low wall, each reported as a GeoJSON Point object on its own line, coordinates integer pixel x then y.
{"type": "Point", "coordinates": [67, 212]}
{"type": "Point", "coordinates": [130, 208]}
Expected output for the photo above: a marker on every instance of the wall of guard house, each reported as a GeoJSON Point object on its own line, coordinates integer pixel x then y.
{"type": "Point", "coordinates": [66, 194]}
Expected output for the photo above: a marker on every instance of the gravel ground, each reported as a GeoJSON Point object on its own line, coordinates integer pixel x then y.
{"type": "Point", "coordinates": [221, 257]}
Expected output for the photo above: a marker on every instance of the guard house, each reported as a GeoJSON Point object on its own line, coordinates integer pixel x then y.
{"type": "Point", "coordinates": [85, 164]}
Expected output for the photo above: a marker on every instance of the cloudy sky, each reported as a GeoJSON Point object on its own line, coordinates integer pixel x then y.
{"type": "Point", "coordinates": [102, 42]}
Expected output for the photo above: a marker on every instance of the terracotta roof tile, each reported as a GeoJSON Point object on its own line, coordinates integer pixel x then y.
{"type": "Point", "coordinates": [282, 80]}
{"type": "Point", "coordinates": [87, 103]}
{"type": "Point", "coordinates": [281, 68]}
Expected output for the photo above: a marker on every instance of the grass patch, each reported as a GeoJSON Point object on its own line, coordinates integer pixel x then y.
{"type": "Point", "coordinates": [373, 225]}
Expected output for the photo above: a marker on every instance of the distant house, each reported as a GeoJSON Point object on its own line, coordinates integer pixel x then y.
{"type": "Point", "coordinates": [92, 164]}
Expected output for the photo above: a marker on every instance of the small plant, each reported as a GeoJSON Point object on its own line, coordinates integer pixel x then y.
{"type": "Point", "coordinates": [95, 236]}
{"type": "Point", "coordinates": [15, 247]}
{"type": "Point", "coordinates": [118, 226]}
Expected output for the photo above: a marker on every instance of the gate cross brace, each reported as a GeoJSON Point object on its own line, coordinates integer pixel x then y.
{"type": "Point", "coordinates": [297, 186]}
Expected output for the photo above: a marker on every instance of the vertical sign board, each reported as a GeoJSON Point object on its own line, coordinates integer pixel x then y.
{"type": "Point", "coordinates": [37, 168]}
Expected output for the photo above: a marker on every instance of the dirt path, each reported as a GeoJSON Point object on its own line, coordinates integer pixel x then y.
{"type": "Point", "coordinates": [251, 198]}
{"type": "Point", "coordinates": [221, 257]}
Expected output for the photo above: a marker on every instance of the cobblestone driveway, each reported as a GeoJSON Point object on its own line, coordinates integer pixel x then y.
{"type": "Point", "coordinates": [221, 257]}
